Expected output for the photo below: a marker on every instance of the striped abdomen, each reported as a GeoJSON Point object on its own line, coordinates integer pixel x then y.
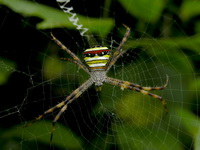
{"type": "Point", "coordinates": [97, 58]}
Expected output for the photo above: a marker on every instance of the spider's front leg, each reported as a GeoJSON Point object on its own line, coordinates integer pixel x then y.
{"type": "Point", "coordinates": [138, 88]}
{"type": "Point", "coordinates": [117, 53]}
{"type": "Point", "coordinates": [82, 66]}
{"type": "Point", "coordinates": [74, 59]}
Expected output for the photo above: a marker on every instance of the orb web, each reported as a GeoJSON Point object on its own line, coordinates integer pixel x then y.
{"type": "Point", "coordinates": [35, 77]}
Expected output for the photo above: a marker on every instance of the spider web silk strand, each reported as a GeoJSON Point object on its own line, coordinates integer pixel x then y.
{"type": "Point", "coordinates": [73, 16]}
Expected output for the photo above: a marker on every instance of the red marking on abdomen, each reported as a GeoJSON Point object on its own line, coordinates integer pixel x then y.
{"type": "Point", "coordinates": [96, 52]}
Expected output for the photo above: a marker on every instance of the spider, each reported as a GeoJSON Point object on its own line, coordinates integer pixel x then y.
{"type": "Point", "coordinates": [97, 62]}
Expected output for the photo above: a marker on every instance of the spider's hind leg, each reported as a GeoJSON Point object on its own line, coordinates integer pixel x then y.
{"type": "Point", "coordinates": [152, 95]}
{"type": "Point", "coordinates": [138, 88]}
{"type": "Point", "coordinates": [147, 88]}
{"type": "Point", "coordinates": [63, 105]}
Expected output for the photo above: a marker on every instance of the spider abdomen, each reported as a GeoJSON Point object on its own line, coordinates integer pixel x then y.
{"type": "Point", "coordinates": [97, 58]}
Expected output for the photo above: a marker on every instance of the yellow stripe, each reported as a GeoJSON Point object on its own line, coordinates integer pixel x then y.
{"type": "Point", "coordinates": [97, 61]}
{"type": "Point", "coordinates": [105, 56]}
{"type": "Point", "coordinates": [96, 48]}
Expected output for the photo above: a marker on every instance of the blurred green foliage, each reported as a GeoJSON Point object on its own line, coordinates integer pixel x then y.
{"type": "Point", "coordinates": [143, 125]}
{"type": "Point", "coordinates": [6, 67]}
{"type": "Point", "coordinates": [138, 9]}
{"type": "Point", "coordinates": [39, 130]}
{"type": "Point", "coordinates": [53, 18]}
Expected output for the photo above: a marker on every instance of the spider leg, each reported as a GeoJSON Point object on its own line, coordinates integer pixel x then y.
{"type": "Point", "coordinates": [127, 83]}
{"type": "Point", "coordinates": [74, 95]}
{"type": "Point", "coordinates": [77, 63]}
{"type": "Point", "coordinates": [121, 84]}
{"type": "Point", "coordinates": [55, 120]}
{"type": "Point", "coordinates": [118, 51]}
{"type": "Point", "coordinates": [75, 58]}
{"type": "Point", "coordinates": [64, 105]}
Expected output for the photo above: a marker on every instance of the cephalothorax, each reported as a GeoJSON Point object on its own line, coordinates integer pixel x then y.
{"type": "Point", "coordinates": [98, 61]}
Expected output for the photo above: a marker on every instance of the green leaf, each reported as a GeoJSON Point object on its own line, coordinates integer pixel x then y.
{"type": "Point", "coordinates": [39, 133]}
{"type": "Point", "coordinates": [147, 10]}
{"type": "Point", "coordinates": [192, 43]}
{"type": "Point", "coordinates": [189, 121]}
{"type": "Point", "coordinates": [135, 138]}
{"type": "Point", "coordinates": [197, 141]}
{"type": "Point", "coordinates": [7, 67]}
{"type": "Point", "coordinates": [195, 86]}
{"type": "Point", "coordinates": [135, 107]}
{"type": "Point", "coordinates": [104, 142]}
{"type": "Point", "coordinates": [53, 68]}
{"type": "Point", "coordinates": [197, 27]}
{"type": "Point", "coordinates": [189, 9]}
{"type": "Point", "coordinates": [53, 18]}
